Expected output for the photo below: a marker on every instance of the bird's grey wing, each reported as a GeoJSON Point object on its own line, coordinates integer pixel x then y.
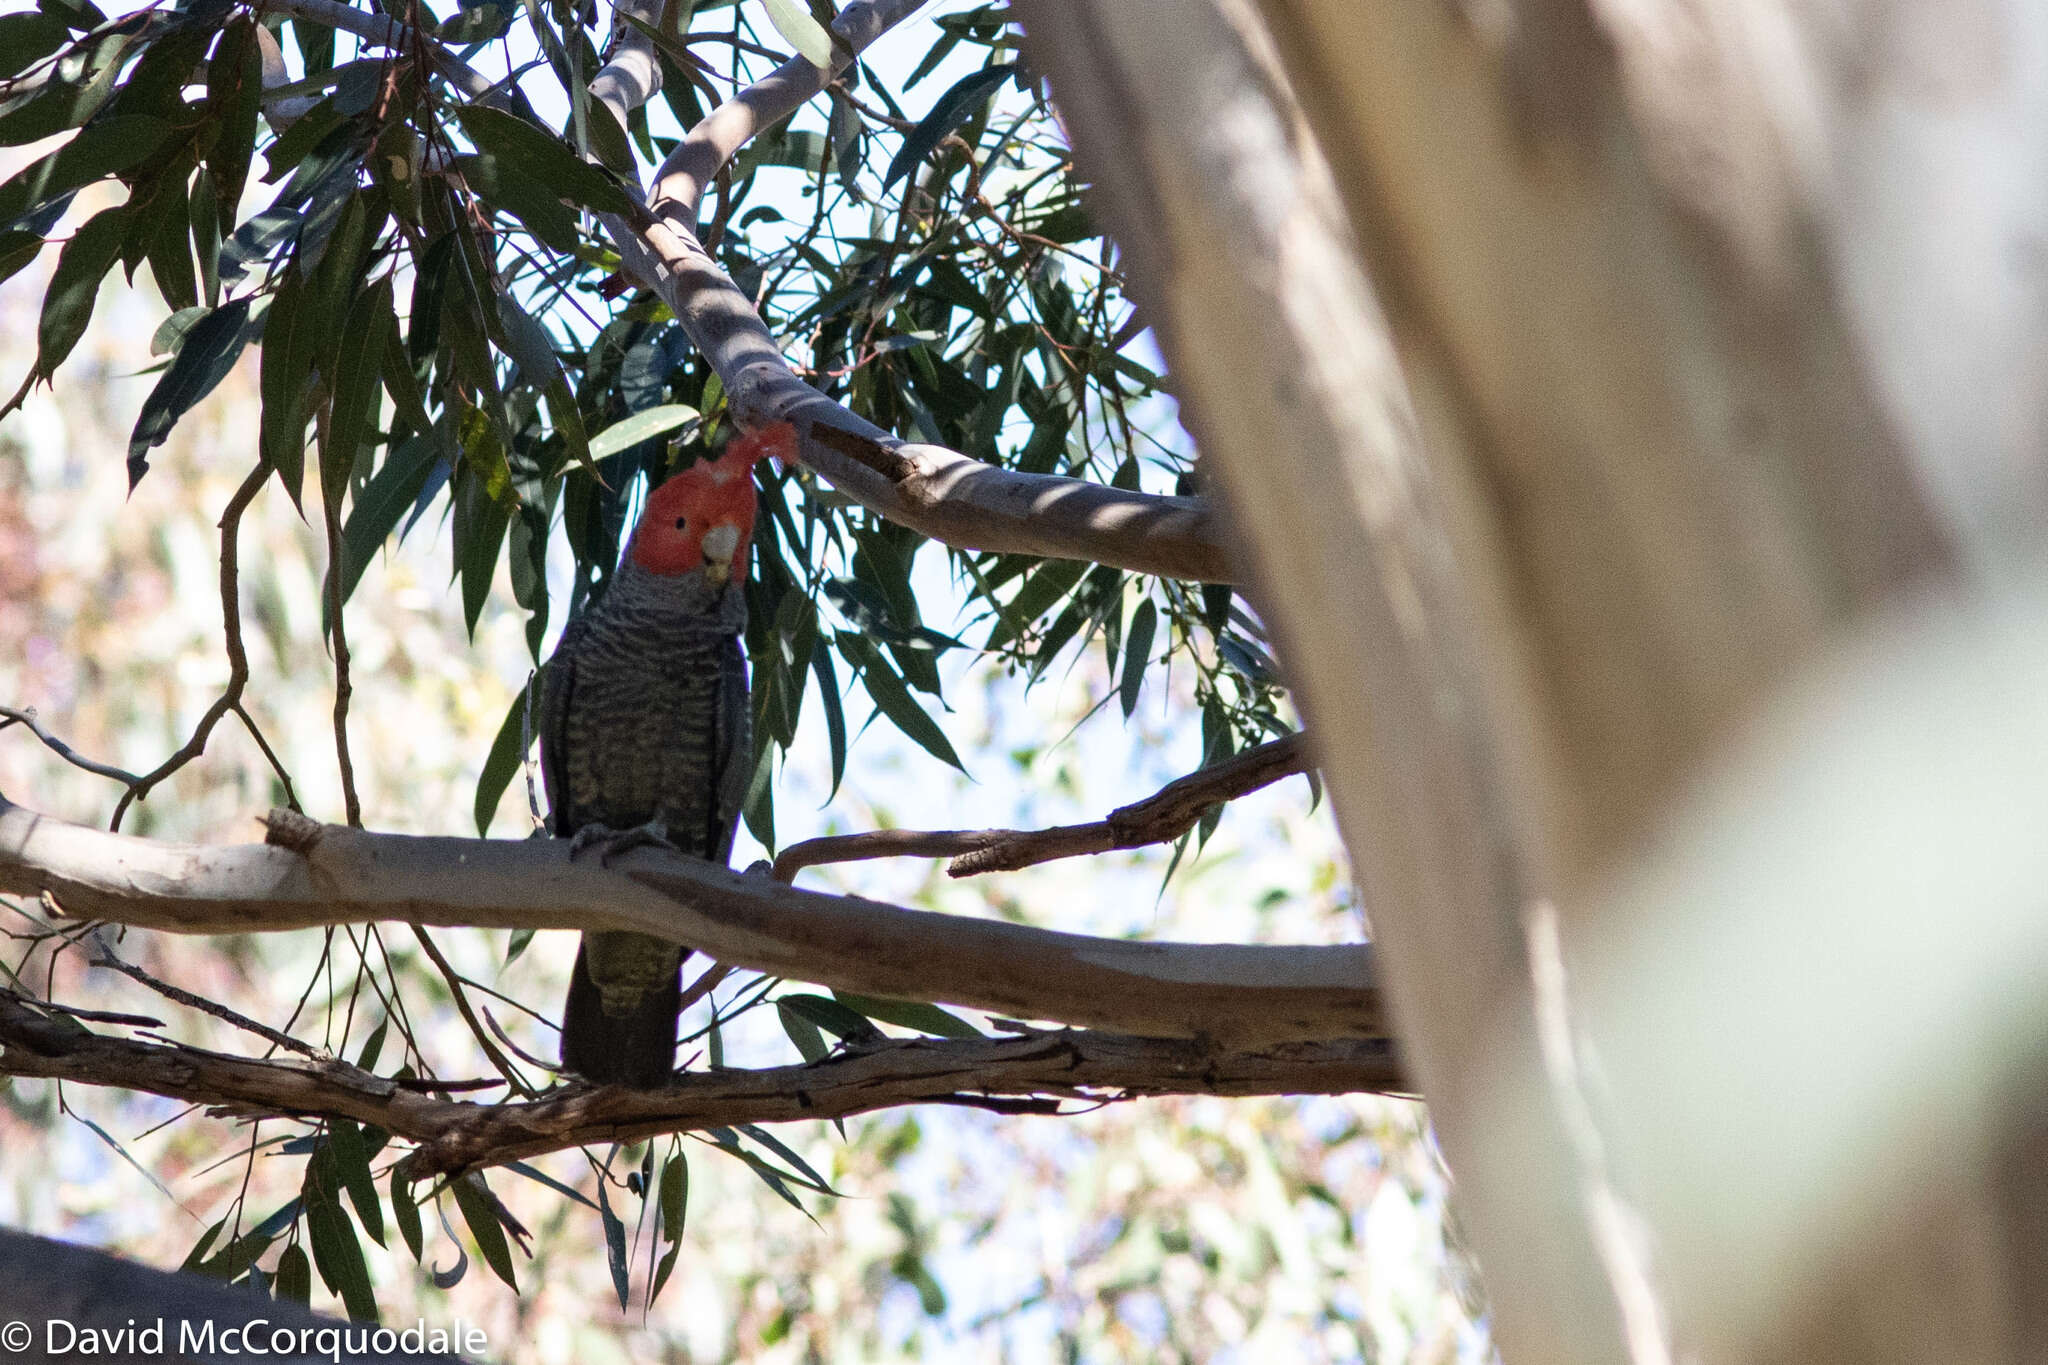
{"type": "Point", "coordinates": [558, 686]}
{"type": "Point", "coordinates": [732, 750]}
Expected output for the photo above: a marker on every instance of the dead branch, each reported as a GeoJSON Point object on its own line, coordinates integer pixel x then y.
{"type": "Point", "coordinates": [457, 1135]}
{"type": "Point", "coordinates": [1232, 994]}
{"type": "Point", "coordinates": [1167, 814]}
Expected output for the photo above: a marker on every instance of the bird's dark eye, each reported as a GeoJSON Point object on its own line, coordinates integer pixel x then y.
{"type": "Point", "coordinates": [682, 523]}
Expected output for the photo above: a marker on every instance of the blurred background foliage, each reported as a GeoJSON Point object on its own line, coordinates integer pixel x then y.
{"type": "Point", "coordinates": [920, 248]}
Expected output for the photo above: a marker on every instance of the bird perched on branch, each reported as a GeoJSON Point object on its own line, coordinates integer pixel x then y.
{"type": "Point", "coordinates": [645, 736]}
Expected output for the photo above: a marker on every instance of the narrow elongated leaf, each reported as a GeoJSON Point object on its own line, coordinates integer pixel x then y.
{"type": "Point", "coordinates": [358, 375]}
{"type": "Point", "coordinates": [103, 148]}
{"type": "Point", "coordinates": [234, 91]}
{"type": "Point", "coordinates": [1137, 655]}
{"type": "Point", "coordinates": [893, 699]}
{"type": "Point", "coordinates": [953, 109]}
{"type": "Point", "coordinates": [75, 284]}
{"type": "Point", "coordinates": [827, 675]}
{"type": "Point", "coordinates": [924, 1017]}
{"type": "Point", "coordinates": [17, 249]}
{"type": "Point", "coordinates": [502, 763]}
{"type": "Point", "coordinates": [211, 346]}
{"type": "Point", "coordinates": [480, 1211]}
{"type": "Point", "coordinates": [405, 1211]}
{"type": "Point", "coordinates": [26, 39]}
{"type": "Point", "coordinates": [544, 157]}
{"type": "Point", "coordinates": [641, 426]}
{"type": "Point", "coordinates": [614, 1244]}
{"type": "Point", "coordinates": [500, 183]}
{"type": "Point", "coordinates": [336, 1253]}
{"type": "Point", "coordinates": [206, 236]}
{"type": "Point", "coordinates": [167, 240]}
{"type": "Point", "coordinates": [352, 1164]}
{"type": "Point", "coordinates": [832, 1016]}
{"type": "Point", "coordinates": [293, 1278]}
{"type": "Point", "coordinates": [810, 1044]}
{"type": "Point", "coordinates": [801, 31]}
{"type": "Point", "coordinates": [289, 336]}
{"type": "Point", "coordinates": [400, 380]}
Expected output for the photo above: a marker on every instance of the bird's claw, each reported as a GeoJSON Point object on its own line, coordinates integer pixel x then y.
{"type": "Point", "coordinates": [617, 842]}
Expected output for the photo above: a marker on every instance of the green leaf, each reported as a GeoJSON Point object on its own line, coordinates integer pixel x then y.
{"type": "Point", "coordinates": [234, 92]}
{"type": "Point", "coordinates": [644, 425]}
{"type": "Point", "coordinates": [199, 1248]}
{"type": "Point", "coordinates": [352, 1164]}
{"type": "Point", "coordinates": [675, 1195]}
{"type": "Point", "coordinates": [358, 375]}
{"type": "Point", "coordinates": [508, 751]}
{"type": "Point", "coordinates": [810, 1044]}
{"type": "Point", "coordinates": [374, 513]}
{"type": "Point", "coordinates": [211, 347]}
{"type": "Point", "coordinates": [545, 157]}
{"type": "Point", "coordinates": [17, 249]}
{"type": "Point", "coordinates": [405, 1211]}
{"type": "Point", "coordinates": [293, 1278]}
{"type": "Point", "coordinates": [290, 332]}
{"type": "Point", "coordinates": [614, 1243]}
{"type": "Point", "coordinates": [168, 244]}
{"type": "Point", "coordinates": [336, 1252]}
{"type": "Point", "coordinates": [893, 699]}
{"type": "Point", "coordinates": [835, 716]}
{"type": "Point", "coordinates": [233, 1260]}
{"type": "Point", "coordinates": [75, 285]}
{"type": "Point", "coordinates": [924, 1017]}
{"type": "Point", "coordinates": [401, 381]}
{"type": "Point", "coordinates": [499, 183]}
{"type": "Point", "coordinates": [205, 221]}
{"type": "Point", "coordinates": [26, 39]}
{"type": "Point", "coordinates": [1137, 655]}
{"type": "Point", "coordinates": [103, 148]}
{"type": "Point", "coordinates": [480, 1211]}
{"type": "Point", "coordinates": [483, 23]}
{"type": "Point", "coordinates": [832, 1016]}
{"type": "Point", "coordinates": [1045, 585]}
{"type": "Point", "coordinates": [953, 109]}
{"type": "Point", "coordinates": [801, 31]}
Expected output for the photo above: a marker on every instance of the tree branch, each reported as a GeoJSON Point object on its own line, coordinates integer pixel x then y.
{"type": "Point", "coordinates": [937, 492]}
{"type": "Point", "coordinates": [457, 1135]}
{"type": "Point", "coordinates": [1228, 994]}
{"type": "Point", "coordinates": [1166, 814]}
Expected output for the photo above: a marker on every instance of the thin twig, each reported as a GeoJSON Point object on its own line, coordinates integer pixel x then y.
{"type": "Point", "coordinates": [10, 716]}
{"type": "Point", "coordinates": [219, 1011]}
{"type": "Point", "coordinates": [1164, 816]}
{"type": "Point", "coordinates": [463, 1007]}
{"type": "Point", "coordinates": [343, 689]}
{"type": "Point", "coordinates": [231, 643]}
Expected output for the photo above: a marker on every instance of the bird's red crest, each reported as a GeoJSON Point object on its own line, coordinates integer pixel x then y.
{"type": "Point", "coordinates": [709, 494]}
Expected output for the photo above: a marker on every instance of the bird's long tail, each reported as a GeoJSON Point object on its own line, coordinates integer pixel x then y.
{"type": "Point", "coordinates": [636, 1048]}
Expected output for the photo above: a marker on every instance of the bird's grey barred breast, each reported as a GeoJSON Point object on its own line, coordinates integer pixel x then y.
{"type": "Point", "coordinates": [646, 731]}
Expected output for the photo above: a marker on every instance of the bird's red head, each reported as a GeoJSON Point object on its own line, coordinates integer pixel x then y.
{"type": "Point", "coordinates": [703, 517]}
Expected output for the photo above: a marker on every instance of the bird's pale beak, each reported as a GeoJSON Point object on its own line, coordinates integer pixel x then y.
{"type": "Point", "coordinates": [720, 542]}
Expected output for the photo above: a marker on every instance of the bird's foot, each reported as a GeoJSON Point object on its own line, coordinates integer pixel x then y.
{"type": "Point", "coordinates": [616, 842]}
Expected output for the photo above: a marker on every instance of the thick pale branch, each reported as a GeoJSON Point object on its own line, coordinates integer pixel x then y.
{"type": "Point", "coordinates": [938, 492]}
{"type": "Point", "coordinates": [453, 1135]}
{"type": "Point", "coordinates": [1225, 993]}
{"type": "Point", "coordinates": [1167, 814]}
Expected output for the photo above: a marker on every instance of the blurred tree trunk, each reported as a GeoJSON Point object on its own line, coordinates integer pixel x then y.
{"type": "Point", "coordinates": [1696, 334]}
